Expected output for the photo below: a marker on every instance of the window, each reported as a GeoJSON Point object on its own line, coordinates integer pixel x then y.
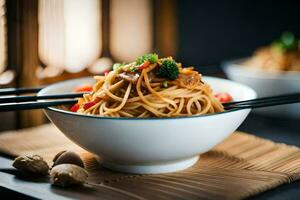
{"type": "Point", "coordinates": [69, 35]}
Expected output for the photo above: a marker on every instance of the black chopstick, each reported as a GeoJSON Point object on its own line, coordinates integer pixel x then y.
{"type": "Point", "coordinates": [11, 91]}
{"type": "Point", "coordinates": [34, 105]}
{"type": "Point", "coordinates": [264, 102]}
{"type": "Point", "coordinates": [263, 99]}
{"type": "Point", "coordinates": [262, 105]}
{"type": "Point", "coordinates": [15, 103]}
{"type": "Point", "coordinates": [34, 97]}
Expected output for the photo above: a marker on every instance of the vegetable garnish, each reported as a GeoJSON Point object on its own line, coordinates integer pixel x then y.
{"type": "Point", "coordinates": [144, 65]}
{"type": "Point", "coordinates": [287, 42]}
{"type": "Point", "coordinates": [150, 87]}
{"type": "Point", "coordinates": [132, 68]}
{"type": "Point", "coordinates": [224, 97]}
{"type": "Point", "coordinates": [83, 88]}
{"type": "Point", "coordinates": [90, 104]}
{"type": "Point", "coordinates": [168, 69]}
{"type": "Point", "coordinates": [75, 107]}
{"type": "Point", "coordinates": [165, 84]}
{"type": "Point", "coordinates": [152, 58]}
{"type": "Point", "coordinates": [106, 72]}
{"type": "Point", "coordinates": [118, 66]}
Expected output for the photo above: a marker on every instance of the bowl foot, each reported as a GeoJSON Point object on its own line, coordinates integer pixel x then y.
{"type": "Point", "coordinates": [153, 169]}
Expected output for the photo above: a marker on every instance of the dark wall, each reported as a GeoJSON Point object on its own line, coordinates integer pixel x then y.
{"type": "Point", "coordinates": [213, 31]}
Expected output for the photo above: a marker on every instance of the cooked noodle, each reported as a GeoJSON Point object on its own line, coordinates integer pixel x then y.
{"type": "Point", "coordinates": [268, 59]}
{"type": "Point", "coordinates": [123, 93]}
{"type": "Point", "coordinates": [282, 55]}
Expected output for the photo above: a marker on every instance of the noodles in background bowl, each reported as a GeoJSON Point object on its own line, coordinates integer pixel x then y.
{"type": "Point", "coordinates": [282, 55]}
{"type": "Point", "coordinates": [149, 87]}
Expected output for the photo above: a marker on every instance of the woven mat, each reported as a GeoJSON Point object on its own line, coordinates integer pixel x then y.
{"type": "Point", "coordinates": [242, 166]}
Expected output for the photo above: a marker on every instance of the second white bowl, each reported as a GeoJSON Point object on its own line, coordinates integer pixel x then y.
{"type": "Point", "coordinates": [267, 84]}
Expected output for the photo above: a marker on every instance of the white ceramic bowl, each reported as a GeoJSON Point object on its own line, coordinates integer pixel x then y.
{"type": "Point", "coordinates": [149, 145]}
{"type": "Point", "coordinates": [267, 84]}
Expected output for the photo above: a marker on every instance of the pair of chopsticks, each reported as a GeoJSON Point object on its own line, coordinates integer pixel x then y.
{"type": "Point", "coordinates": [27, 102]}
{"type": "Point", "coordinates": [14, 103]}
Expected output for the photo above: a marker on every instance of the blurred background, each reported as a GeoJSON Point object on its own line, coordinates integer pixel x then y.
{"type": "Point", "coordinates": [44, 41]}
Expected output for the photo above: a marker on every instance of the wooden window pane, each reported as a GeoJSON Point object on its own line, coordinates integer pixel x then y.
{"type": "Point", "coordinates": [3, 55]}
{"type": "Point", "coordinates": [69, 34]}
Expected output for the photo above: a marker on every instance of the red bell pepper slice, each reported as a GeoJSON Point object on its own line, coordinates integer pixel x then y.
{"type": "Point", "coordinates": [144, 65]}
{"type": "Point", "coordinates": [75, 107]}
{"type": "Point", "coordinates": [90, 104]}
{"type": "Point", "coordinates": [106, 72]}
{"type": "Point", "coordinates": [84, 88]}
{"type": "Point", "coordinates": [224, 97]}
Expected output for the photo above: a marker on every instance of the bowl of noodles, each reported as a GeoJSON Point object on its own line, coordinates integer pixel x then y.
{"type": "Point", "coordinates": [149, 116]}
{"type": "Point", "coordinates": [271, 70]}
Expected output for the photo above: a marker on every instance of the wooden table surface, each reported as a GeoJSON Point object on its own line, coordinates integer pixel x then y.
{"type": "Point", "coordinates": [279, 130]}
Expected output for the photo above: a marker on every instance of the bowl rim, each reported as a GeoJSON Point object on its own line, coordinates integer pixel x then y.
{"type": "Point", "coordinates": [236, 64]}
{"type": "Point", "coordinates": [251, 91]}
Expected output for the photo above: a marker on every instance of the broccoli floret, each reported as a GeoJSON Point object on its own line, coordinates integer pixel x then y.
{"type": "Point", "coordinates": [168, 69]}
{"type": "Point", "coordinates": [287, 42]}
{"type": "Point", "coordinates": [118, 66]}
{"type": "Point", "coordinates": [151, 57]}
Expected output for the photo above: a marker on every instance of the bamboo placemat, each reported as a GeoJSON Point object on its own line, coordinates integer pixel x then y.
{"type": "Point", "coordinates": [241, 166]}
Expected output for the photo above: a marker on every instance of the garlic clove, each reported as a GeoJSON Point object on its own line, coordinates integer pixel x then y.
{"type": "Point", "coordinates": [67, 157]}
{"type": "Point", "coordinates": [33, 164]}
{"type": "Point", "coordinates": [65, 175]}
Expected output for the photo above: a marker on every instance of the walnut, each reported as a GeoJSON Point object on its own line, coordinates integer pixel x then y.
{"type": "Point", "coordinates": [33, 164]}
{"type": "Point", "coordinates": [67, 157]}
{"type": "Point", "coordinates": [65, 175]}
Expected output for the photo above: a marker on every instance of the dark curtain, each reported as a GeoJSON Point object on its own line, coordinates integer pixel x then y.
{"type": "Point", "coordinates": [213, 31]}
